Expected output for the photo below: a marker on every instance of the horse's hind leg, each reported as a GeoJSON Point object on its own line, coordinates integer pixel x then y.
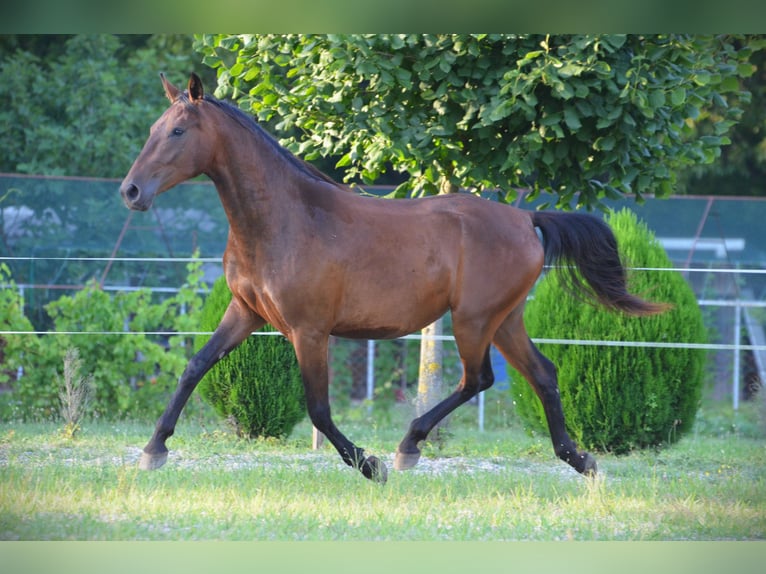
{"type": "Point", "coordinates": [477, 377]}
{"type": "Point", "coordinates": [311, 352]}
{"type": "Point", "coordinates": [514, 343]}
{"type": "Point", "coordinates": [234, 328]}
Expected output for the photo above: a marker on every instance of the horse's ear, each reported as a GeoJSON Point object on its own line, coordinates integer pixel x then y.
{"type": "Point", "coordinates": [170, 90]}
{"type": "Point", "coordinates": [196, 91]}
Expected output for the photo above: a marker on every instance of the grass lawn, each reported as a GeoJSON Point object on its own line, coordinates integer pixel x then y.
{"type": "Point", "coordinates": [502, 484]}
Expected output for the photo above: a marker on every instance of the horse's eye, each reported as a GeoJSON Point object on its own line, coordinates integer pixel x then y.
{"type": "Point", "coordinates": [177, 132]}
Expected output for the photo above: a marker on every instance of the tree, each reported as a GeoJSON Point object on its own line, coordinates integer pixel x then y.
{"type": "Point", "coordinates": [741, 169]}
{"type": "Point", "coordinates": [79, 105]}
{"type": "Point", "coordinates": [582, 116]}
{"type": "Point", "coordinates": [591, 115]}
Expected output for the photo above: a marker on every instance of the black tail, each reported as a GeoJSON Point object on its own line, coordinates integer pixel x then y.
{"type": "Point", "coordinates": [585, 243]}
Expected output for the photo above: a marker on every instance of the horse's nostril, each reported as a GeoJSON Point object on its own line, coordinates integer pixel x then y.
{"type": "Point", "coordinates": [132, 192]}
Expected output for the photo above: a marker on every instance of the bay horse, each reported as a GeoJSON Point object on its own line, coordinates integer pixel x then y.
{"type": "Point", "coordinates": [312, 258]}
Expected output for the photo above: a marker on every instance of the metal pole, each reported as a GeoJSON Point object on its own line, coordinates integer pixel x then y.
{"type": "Point", "coordinates": [737, 337]}
{"type": "Point", "coordinates": [370, 371]}
{"type": "Point", "coordinates": [481, 411]}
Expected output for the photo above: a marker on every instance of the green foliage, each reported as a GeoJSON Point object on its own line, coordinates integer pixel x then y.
{"type": "Point", "coordinates": [13, 348]}
{"type": "Point", "coordinates": [741, 169]}
{"type": "Point", "coordinates": [594, 115]}
{"type": "Point", "coordinates": [619, 398]}
{"type": "Point", "coordinates": [258, 385]}
{"type": "Point", "coordinates": [86, 110]}
{"type": "Point", "coordinates": [131, 376]}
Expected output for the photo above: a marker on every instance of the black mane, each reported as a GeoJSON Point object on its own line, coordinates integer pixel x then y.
{"type": "Point", "coordinates": [247, 122]}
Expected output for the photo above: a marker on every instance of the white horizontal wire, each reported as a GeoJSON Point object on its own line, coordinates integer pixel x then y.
{"type": "Point", "coordinates": [128, 259]}
{"type": "Point", "coordinates": [218, 260]}
{"type": "Point", "coordinates": [583, 342]}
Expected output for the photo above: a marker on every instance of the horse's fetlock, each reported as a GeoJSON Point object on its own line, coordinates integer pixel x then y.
{"type": "Point", "coordinates": [565, 452]}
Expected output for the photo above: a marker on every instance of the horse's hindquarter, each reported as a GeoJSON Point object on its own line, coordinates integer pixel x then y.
{"type": "Point", "coordinates": [417, 259]}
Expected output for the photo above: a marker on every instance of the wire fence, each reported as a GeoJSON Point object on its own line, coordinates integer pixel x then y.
{"type": "Point", "coordinates": [360, 363]}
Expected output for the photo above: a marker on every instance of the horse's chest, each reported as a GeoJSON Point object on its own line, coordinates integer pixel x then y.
{"type": "Point", "coordinates": [268, 290]}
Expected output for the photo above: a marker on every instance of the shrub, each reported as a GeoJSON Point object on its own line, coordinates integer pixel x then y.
{"type": "Point", "coordinates": [258, 385]}
{"type": "Point", "coordinates": [14, 348]}
{"type": "Point", "coordinates": [620, 398]}
{"type": "Point", "coordinates": [132, 375]}
{"type": "Point", "coordinates": [12, 318]}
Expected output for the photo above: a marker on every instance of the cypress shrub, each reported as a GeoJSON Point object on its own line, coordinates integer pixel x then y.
{"type": "Point", "coordinates": [617, 399]}
{"type": "Point", "coordinates": [258, 386]}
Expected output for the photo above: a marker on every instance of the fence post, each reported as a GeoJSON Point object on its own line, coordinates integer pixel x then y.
{"type": "Point", "coordinates": [370, 372]}
{"type": "Point", "coordinates": [737, 340]}
{"type": "Point", "coordinates": [481, 411]}
{"type": "Point", "coordinates": [317, 438]}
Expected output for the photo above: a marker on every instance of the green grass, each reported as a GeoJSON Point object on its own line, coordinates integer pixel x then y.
{"type": "Point", "coordinates": [502, 484]}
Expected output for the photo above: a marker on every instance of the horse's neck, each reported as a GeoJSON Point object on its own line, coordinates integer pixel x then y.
{"type": "Point", "coordinates": [260, 190]}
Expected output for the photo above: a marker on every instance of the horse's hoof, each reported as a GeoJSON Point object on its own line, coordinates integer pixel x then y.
{"type": "Point", "coordinates": [590, 468]}
{"type": "Point", "coordinates": [375, 470]}
{"type": "Point", "coordinates": [405, 460]}
{"type": "Point", "coordinates": [152, 461]}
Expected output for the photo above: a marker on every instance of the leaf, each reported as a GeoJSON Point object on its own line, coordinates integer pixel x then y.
{"type": "Point", "coordinates": [252, 73]}
{"type": "Point", "coordinates": [344, 160]}
{"type": "Point", "coordinates": [397, 42]}
{"type": "Point", "coordinates": [604, 122]}
{"type": "Point", "coordinates": [529, 56]}
{"type": "Point", "coordinates": [616, 41]}
{"type": "Point", "coordinates": [551, 119]}
{"type": "Point", "coordinates": [572, 119]}
{"type": "Point", "coordinates": [605, 143]}
{"type": "Point", "coordinates": [656, 99]}
{"type": "Point", "coordinates": [563, 89]}
{"type": "Point", "coordinates": [571, 69]}
{"type": "Point", "coordinates": [404, 77]}
{"type": "Point", "coordinates": [501, 111]}
{"type": "Point", "coordinates": [678, 96]}
{"type": "Point", "coordinates": [746, 69]}
{"type": "Point", "coordinates": [702, 78]}
{"type": "Point", "coordinates": [282, 60]}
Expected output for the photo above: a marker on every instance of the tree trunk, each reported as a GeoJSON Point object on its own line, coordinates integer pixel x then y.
{"type": "Point", "coordinates": [430, 379]}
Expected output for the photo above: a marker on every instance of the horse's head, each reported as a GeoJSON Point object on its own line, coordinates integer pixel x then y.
{"type": "Point", "coordinates": [177, 148]}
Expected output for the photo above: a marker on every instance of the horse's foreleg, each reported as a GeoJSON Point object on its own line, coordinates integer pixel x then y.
{"type": "Point", "coordinates": [311, 351]}
{"type": "Point", "coordinates": [477, 377]}
{"type": "Point", "coordinates": [235, 326]}
{"type": "Point", "coordinates": [521, 353]}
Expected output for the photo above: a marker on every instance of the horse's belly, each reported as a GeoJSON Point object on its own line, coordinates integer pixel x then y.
{"type": "Point", "coordinates": [369, 332]}
{"type": "Point", "coordinates": [389, 314]}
